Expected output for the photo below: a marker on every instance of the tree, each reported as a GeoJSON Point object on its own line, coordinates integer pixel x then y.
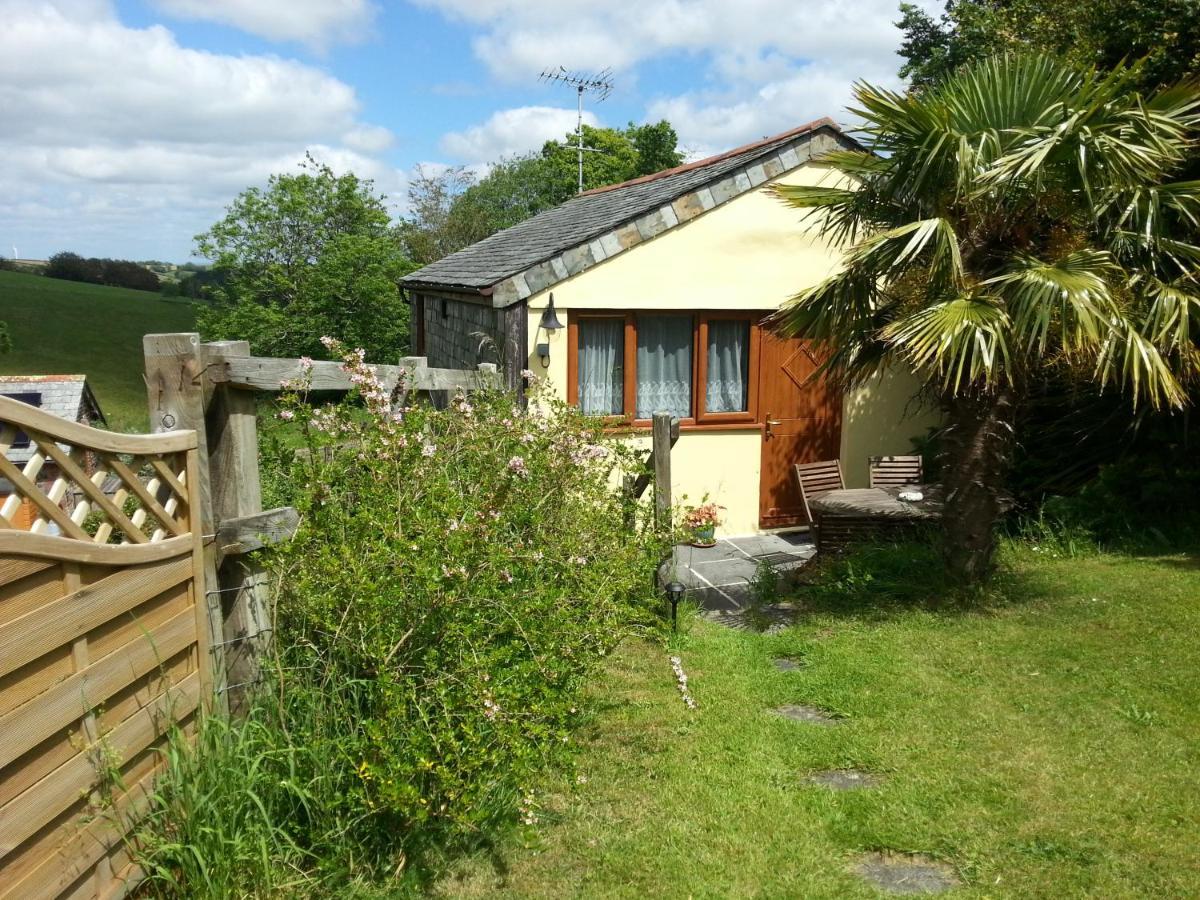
{"type": "Point", "coordinates": [113, 272]}
{"type": "Point", "coordinates": [313, 254]}
{"type": "Point", "coordinates": [1019, 216]}
{"type": "Point", "coordinates": [122, 273]}
{"type": "Point", "coordinates": [73, 267]}
{"type": "Point", "coordinates": [450, 209]}
{"type": "Point", "coordinates": [1085, 33]}
{"type": "Point", "coordinates": [428, 232]}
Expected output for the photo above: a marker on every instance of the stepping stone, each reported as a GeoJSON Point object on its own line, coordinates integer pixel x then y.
{"type": "Point", "coordinates": [783, 664]}
{"type": "Point", "coordinates": [907, 873]}
{"type": "Point", "coordinates": [810, 714]}
{"type": "Point", "coordinates": [844, 779]}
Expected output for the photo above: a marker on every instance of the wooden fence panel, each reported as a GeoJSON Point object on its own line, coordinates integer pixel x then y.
{"type": "Point", "coordinates": [104, 642]}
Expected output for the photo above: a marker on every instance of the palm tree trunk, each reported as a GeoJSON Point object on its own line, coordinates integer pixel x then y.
{"type": "Point", "coordinates": [978, 441]}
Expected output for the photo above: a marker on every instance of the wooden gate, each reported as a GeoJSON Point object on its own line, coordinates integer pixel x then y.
{"type": "Point", "coordinates": [103, 641]}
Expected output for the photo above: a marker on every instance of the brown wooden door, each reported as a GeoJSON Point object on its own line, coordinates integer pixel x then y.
{"type": "Point", "coordinates": [802, 423]}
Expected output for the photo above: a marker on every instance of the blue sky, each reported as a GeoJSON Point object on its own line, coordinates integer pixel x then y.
{"type": "Point", "coordinates": [126, 126]}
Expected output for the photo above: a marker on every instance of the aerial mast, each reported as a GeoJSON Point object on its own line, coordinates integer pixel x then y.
{"type": "Point", "coordinates": [599, 84]}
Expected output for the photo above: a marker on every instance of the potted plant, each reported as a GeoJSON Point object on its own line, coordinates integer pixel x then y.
{"type": "Point", "coordinates": [702, 522]}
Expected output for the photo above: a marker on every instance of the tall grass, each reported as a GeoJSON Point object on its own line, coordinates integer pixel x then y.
{"type": "Point", "coordinates": [222, 817]}
{"type": "Point", "coordinates": [259, 806]}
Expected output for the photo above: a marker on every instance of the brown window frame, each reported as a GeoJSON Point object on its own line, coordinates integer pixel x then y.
{"type": "Point", "coordinates": [699, 417]}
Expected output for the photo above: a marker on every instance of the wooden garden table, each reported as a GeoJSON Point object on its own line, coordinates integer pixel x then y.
{"type": "Point", "coordinates": [854, 514]}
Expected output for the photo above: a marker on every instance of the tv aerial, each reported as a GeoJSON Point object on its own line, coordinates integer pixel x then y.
{"type": "Point", "coordinates": [599, 85]}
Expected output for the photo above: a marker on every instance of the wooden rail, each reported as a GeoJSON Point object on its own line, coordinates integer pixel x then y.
{"type": "Point", "coordinates": [260, 373]}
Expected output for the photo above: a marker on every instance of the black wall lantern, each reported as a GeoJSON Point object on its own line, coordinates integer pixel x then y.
{"type": "Point", "coordinates": [549, 324]}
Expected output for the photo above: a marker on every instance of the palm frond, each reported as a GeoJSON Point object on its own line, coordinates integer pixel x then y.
{"type": "Point", "coordinates": [962, 341]}
{"type": "Point", "coordinates": [1073, 292]}
{"type": "Point", "coordinates": [843, 304]}
{"type": "Point", "coordinates": [813, 196]}
{"type": "Point", "coordinates": [1107, 135]}
{"type": "Point", "coordinates": [931, 241]}
{"type": "Point", "coordinates": [1134, 363]}
{"type": "Point", "coordinates": [1172, 319]}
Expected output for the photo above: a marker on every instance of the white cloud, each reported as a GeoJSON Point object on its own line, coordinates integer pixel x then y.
{"type": "Point", "coordinates": [317, 23]}
{"type": "Point", "coordinates": [710, 121]}
{"type": "Point", "coordinates": [524, 36]}
{"type": "Point", "coordinates": [120, 141]}
{"type": "Point", "coordinates": [759, 66]}
{"type": "Point", "coordinates": [511, 131]}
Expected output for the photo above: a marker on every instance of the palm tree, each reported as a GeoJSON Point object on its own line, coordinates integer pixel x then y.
{"type": "Point", "coordinates": [1019, 216]}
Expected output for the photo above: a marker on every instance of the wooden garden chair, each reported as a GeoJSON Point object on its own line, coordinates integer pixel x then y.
{"type": "Point", "coordinates": [816, 479]}
{"type": "Point", "coordinates": [896, 471]}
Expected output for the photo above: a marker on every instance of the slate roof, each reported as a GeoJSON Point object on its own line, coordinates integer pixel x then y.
{"type": "Point", "coordinates": [582, 219]}
{"type": "Point", "coordinates": [66, 396]}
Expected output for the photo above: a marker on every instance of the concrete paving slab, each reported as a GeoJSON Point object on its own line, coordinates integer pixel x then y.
{"type": "Point", "coordinates": [718, 577]}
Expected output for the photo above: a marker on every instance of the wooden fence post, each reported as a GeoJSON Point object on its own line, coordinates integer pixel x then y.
{"type": "Point", "coordinates": [177, 387]}
{"type": "Point", "coordinates": [232, 424]}
{"type": "Point", "coordinates": [662, 469]}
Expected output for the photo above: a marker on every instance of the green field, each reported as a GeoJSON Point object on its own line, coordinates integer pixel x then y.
{"type": "Point", "coordinates": [1041, 744]}
{"type": "Point", "coordinates": [65, 327]}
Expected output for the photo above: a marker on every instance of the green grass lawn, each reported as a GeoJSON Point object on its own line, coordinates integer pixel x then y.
{"type": "Point", "coordinates": [64, 327]}
{"type": "Point", "coordinates": [1045, 743]}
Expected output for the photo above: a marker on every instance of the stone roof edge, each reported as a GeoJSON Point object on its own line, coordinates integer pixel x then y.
{"type": "Point", "coordinates": [799, 131]}
{"type": "Point", "coordinates": [687, 206]}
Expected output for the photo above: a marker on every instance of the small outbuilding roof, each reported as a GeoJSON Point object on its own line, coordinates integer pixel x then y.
{"type": "Point", "coordinates": [66, 396]}
{"type": "Point", "coordinates": [598, 224]}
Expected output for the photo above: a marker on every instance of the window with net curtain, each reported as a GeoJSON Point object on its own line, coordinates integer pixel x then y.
{"type": "Point", "coordinates": [664, 366]}
{"type": "Point", "coordinates": [602, 367]}
{"type": "Point", "coordinates": [726, 387]}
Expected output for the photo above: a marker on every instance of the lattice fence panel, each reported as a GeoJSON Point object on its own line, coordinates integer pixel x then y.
{"type": "Point", "coordinates": [103, 643]}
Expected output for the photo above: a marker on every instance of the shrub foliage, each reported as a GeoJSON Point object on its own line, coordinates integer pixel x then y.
{"type": "Point", "coordinates": [457, 577]}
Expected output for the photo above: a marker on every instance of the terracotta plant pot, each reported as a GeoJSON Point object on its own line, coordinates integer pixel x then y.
{"type": "Point", "coordinates": [705, 536]}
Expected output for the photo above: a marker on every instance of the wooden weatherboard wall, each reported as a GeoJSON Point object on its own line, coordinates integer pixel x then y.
{"type": "Point", "coordinates": [103, 642]}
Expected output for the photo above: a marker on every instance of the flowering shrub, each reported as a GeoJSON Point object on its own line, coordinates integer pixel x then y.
{"type": "Point", "coordinates": [456, 578]}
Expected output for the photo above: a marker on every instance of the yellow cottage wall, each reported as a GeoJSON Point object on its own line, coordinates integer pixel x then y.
{"type": "Point", "coordinates": [751, 253]}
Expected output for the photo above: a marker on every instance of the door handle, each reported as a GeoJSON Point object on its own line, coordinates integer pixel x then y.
{"type": "Point", "coordinates": [771, 423]}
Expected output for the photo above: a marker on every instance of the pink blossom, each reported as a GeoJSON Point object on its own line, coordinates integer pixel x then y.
{"type": "Point", "coordinates": [328, 342]}
{"type": "Point", "coordinates": [517, 466]}
{"type": "Point", "coordinates": [428, 449]}
{"type": "Point", "coordinates": [306, 363]}
{"type": "Point", "coordinates": [287, 415]}
{"type": "Point", "coordinates": [506, 576]}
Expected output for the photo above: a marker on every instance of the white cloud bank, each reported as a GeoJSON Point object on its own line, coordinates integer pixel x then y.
{"type": "Point", "coordinates": [760, 66]}
{"type": "Point", "coordinates": [315, 23]}
{"type": "Point", "coordinates": [118, 140]}
{"type": "Point", "coordinates": [511, 131]}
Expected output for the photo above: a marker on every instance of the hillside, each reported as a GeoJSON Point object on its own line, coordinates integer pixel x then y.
{"type": "Point", "coordinates": [61, 327]}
